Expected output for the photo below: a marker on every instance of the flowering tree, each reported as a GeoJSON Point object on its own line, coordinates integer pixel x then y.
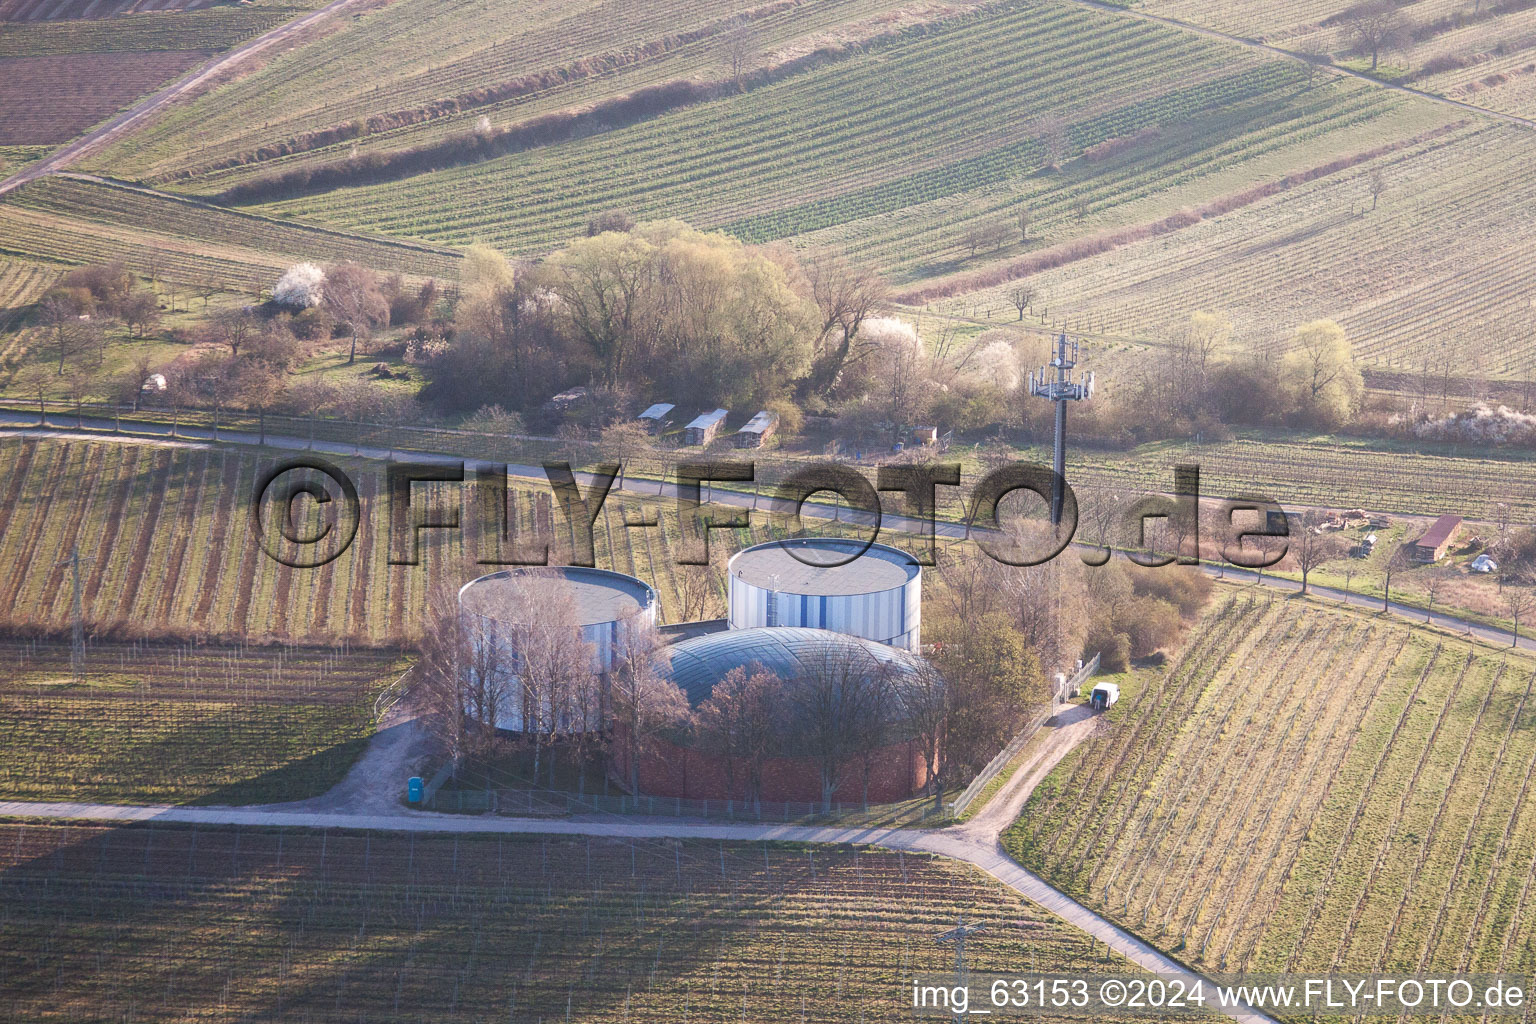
{"type": "Point", "coordinates": [302, 286]}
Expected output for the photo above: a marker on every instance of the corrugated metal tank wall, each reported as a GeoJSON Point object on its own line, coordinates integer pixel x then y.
{"type": "Point", "coordinates": [890, 617]}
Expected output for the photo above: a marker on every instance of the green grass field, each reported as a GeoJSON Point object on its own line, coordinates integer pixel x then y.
{"type": "Point", "coordinates": [1307, 789]}
{"type": "Point", "coordinates": [225, 924]}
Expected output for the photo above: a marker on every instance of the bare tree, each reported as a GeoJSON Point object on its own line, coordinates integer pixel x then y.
{"type": "Point", "coordinates": [78, 384]}
{"type": "Point", "coordinates": [140, 311]}
{"type": "Point", "coordinates": [623, 442]}
{"type": "Point", "coordinates": [833, 701]}
{"type": "Point", "coordinates": [1024, 216]}
{"type": "Point", "coordinates": [1310, 546]}
{"type": "Point", "coordinates": [533, 669]}
{"type": "Point", "coordinates": [1021, 295]}
{"type": "Point", "coordinates": [206, 287]}
{"type": "Point", "coordinates": [645, 702]}
{"type": "Point", "coordinates": [1315, 53]}
{"type": "Point", "coordinates": [61, 314]}
{"type": "Point", "coordinates": [1433, 584]}
{"type": "Point", "coordinates": [1053, 141]}
{"type": "Point", "coordinates": [440, 683]}
{"type": "Point", "coordinates": [1377, 183]}
{"type": "Point", "coordinates": [1377, 28]}
{"type": "Point", "coordinates": [234, 327]}
{"type": "Point", "coordinates": [352, 295]}
{"type": "Point", "coordinates": [1394, 565]}
{"type": "Point", "coordinates": [698, 596]}
{"type": "Point", "coordinates": [740, 721]}
{"type": "Point", "coordinates": [259, 386]}
{"type": "Point", "coordinates": [154, 265]}
{"type": "Point", "coordinates": [973, 239]}
{"type": "Point", "coordinates": [924, 701]}
{"type": "Point", "coordinates": [1518, 603]}
{"type": "Point", "coordinates": [1101, 515]}
{"type": "Point", "coordinates": [34, 382]}
{"type": "Point", "coordinates": [844, 295]}
{"type": "Point", "coordinates": [739, 45]}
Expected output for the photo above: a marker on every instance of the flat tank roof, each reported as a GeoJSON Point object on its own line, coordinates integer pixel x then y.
{"type": "Point", "coordinates": [599, 595]}
{"type": "Point", "coordinates": [791, 566]}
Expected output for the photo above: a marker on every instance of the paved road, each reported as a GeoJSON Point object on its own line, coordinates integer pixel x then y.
{"type": "Point", "coordinates": [146, 108]}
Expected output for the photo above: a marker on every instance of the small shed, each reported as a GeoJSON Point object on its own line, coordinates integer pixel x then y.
{"type": "Point", "coordinates": [153, 384]}
{"type": "Point", "coordinates": [925, 435]}
{"type": "Point", "coordinates": [1436, 540]}
{"type": "Point", "coordinates": [656, 418]}
{"type": "Point", "coordinates": [757, 429]}
{"type": "Point", "coordinates": [704, 427]}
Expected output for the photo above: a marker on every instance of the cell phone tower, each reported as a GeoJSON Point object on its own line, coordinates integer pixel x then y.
{"type": "Point", "coordinates": [1055, 383]}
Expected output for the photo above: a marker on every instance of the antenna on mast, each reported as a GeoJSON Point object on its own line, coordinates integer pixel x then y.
{"type": "Point", "coordinates": [1059, 387]}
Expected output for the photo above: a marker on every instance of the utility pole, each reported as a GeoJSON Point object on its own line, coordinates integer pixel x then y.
{"type": "Point", "coordinates": [77, 615]}
{"type": "Point", "coordinates": [958, 935]}
{"type": "Point", "coordinates": [1059, 387]}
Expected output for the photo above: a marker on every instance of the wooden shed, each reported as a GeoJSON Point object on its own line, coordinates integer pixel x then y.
{"type": "Point", "coordinates": [757, 430]}
{"type": "Point", "coordinates": [656, 418]}
{"type": "Point", "coordinates": [1436, 540]}
{"type": "Point", "coordinates": [704, 427]}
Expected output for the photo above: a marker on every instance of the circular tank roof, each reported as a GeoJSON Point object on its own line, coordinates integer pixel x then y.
{"type": "Point", "coordinates": [811, 565]}
{"type": "Point", "coordinates": [598, 595]}
{"type": "Point", "coordinates": [789, 652]}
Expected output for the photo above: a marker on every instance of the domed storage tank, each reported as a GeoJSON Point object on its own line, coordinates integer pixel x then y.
{"type": "Point", "coordinates": [872, 591]}
{"type": "Point", "coordinates": [602, 603]}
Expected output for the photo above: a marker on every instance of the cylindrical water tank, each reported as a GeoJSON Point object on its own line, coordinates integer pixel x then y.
{"type": "Point", "coordinates": [603, 605]}
{"type": "Point", "coordinates": [868, 590]}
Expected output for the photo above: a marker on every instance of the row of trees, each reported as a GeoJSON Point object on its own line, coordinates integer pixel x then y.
{"type": "Point", "coordinates": [1209, 378]}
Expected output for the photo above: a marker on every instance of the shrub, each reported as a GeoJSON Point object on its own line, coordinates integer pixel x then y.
{"type": "Point", "coordinates": [1152, 623]}
{"type": "Point", "coordinates": [1113, 648]}
{"type": "Point", "coordinates": [1185, 587]}
{"type": "Point", "coordinates": [313, 324]}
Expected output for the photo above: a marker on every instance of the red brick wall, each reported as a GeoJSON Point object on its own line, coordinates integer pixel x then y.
{"type": "Point", "coordinates": [896, 772]}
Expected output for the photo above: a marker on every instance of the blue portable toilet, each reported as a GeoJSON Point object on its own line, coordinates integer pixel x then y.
{"type": "Point", "coordinates": [414, 789]}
